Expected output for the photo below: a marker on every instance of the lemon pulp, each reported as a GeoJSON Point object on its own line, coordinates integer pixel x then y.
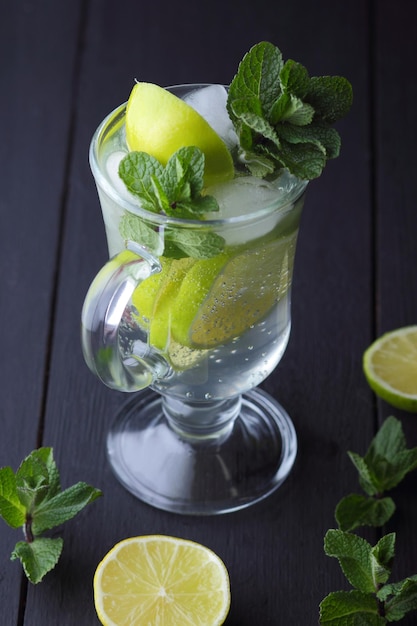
{"type": "Point", "coordinates": [163, 581]}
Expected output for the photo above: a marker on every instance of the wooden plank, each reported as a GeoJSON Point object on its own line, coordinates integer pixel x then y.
{"type": "Point", "coordinates": [37, 51]}
{"type": "Point", "coordinates": [274, 550]}
{"type": "Point", "coordinates": [396, 228]}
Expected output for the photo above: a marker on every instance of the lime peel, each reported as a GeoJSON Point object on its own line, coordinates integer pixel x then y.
{"type": "Point", "coordinates": [159, 123]}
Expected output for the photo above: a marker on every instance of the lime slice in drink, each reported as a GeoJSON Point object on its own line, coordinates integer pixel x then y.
{"type": "Point", "coordinates": [200, 304]}
{"type": "Point", "coordinates": [159, 123]}
{"type": "Point", "coordinates": [152, 299]}
{"type": "Point", "coordinates": [390, 366]}
{"type": "Point", "coordinates": [207, 313]}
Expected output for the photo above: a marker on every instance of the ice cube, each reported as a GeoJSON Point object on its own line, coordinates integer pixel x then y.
{"type": "Point", "coordinates": [210, 103]}
{"type": "Point", "coordinates": [112, 170]}
{"type": "Point", "coordinates": [248, 194]}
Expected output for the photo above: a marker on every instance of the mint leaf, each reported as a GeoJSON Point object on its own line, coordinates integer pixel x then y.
{"type": "Point", "coordinates": [403, 600]}
{"type": "Point", "coordinates": [354, 556]}
{"type": "Point", "coordinates": [350, 608]}
{"type": "Point", "coordinates": [283, 115]}
{"type": "Point", "coordinates": [63, 507]}
{"type": "Point", "coordinates": [133, 228]}
{"type": "Point", "coordinates": [389, 457]}
{"type": "Point", "coordinates": [175, 191]}
{"type": "Point", "coordinates": [137, 170]}
{"type": "Point", "coordinates": [32, 498]}
{"type": "Point", "coordinates": [257, 79]}
{"type": "Point", "coordinates": [196, 244]}
{"type": "Point", "coordinates": [330, 96]}
{"type": "Point", "coordinates": [32, 482]}
{"type": "Point", "coordinates": [367, 478]}
{"type": "Point", "coordinates": [38, 557]}
{"type": "Point", "coordinates": [11, 509]}
{"type": "Point", "coordinates": [387, 460]}
{"type": "Point", "coordinates": [46, 456]}
{"type": "Point", "coordinates": [356, 510]}
{"type": "Point", "coordinates": [382, 556]}
{"type": "Point", "coordinates": [165, 190]}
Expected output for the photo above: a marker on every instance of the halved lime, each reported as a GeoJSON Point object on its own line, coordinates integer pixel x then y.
{"type": "Point", "coordinates": [390, 367]}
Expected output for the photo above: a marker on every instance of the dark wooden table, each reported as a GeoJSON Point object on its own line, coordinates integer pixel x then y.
{"type": "Point", "coordinates": [64, 66]}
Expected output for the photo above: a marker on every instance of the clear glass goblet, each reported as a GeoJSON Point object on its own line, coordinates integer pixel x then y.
{"type": "Point", "coordinates": [195, 337]}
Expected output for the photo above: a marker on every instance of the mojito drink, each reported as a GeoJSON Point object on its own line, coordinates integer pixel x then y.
{"type": "Point", "coordinates": [221, 318]}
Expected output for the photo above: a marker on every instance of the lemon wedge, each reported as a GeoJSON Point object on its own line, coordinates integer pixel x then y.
{"type": "Point", "coordinates": [159, 123]}
{"type": "Point", "coordinates": [163, 581]}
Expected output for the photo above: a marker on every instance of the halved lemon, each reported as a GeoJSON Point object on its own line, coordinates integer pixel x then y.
{"type": "Point", "coordinates": [161, 581]}
{"type": "Point", "coordinates": [390, 366]}
{"type": "Point", "coordinates": [159, 123]}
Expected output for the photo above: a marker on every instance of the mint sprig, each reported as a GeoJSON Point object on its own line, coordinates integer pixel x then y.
{"type": "Point", "coordinates": [373, 601]}
{"type": "Point", "coordinates": [283, 118]}
{"type": "Point", "coordinates": [175, 191]}
{"type": "Point", "coordinates": [32, 498]}
{"type": "Point", "coordinates": [385, 464]}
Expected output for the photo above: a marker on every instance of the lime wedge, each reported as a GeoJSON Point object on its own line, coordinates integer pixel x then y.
{"type": "Point", "coordinates": [390, 367]}
{"type": "Point", "coordinates": [159, 123]}
{"type": "Point", "coordinates": [200, 304]}
{"type": "Point", "coordinates": [239, 295]}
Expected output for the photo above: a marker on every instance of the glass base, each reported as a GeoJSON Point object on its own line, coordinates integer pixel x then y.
{"type": "Point", "coordinates": [206, 473]}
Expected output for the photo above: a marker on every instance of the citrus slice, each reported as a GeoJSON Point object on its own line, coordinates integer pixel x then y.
{"type": "Point", "coordinates": [159, 123]}
{"type": "Point", "coordinates": [163, 581]}
{"type": "Point", "coordinates": [214, 306]}
{"type": "Point", "coordinates": [153, 296]}
{"type": "Point", "coordinates": [390, 366]}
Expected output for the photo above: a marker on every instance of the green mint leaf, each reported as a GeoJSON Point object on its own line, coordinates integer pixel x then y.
{"type": "Point", "coordinates": [196, 244]}
{"type": "Point", "coordinates": [295, 79]}
{"type": "Point", "coordinates": [46, 456]}
{"type": "Point", "coordinates": [382, 556]}
{"type": "Point", "coordinates": [137, 169]}
{"type": "Point", "coordinates": [11, 509]}
{"type": "Point", "coordinates": [257, 78]}
{"type": "Point", "coordinates": [63, 507]}
{"type": "Point", "coordinates": [162, 200]}
{"type": "Point", "coordinates": [367, 479]}
{"type": "Point", "coordinates": [32, 482]}
{"type": "Point", "coordinates": [404, 599]}
{"type": "Point", "coordinates": [388, 455]}
{"type": "Point", "coordinates": [354, 556]}
{"type": "Point", "coordinates": [183, 177]}
{"type": "Point", "coordinates": [258, 124]}
{"type": "Point", "coordinates": [325, 138]}
{"type": "Point", "coordinates": [133, 228]}
{"type": "Point", "coordinates": [350, 608]}
{"type": "Point", "coordinates": [330, 96]}
{"type": "Point", "coordinates": [387, 460]}
{"type": "Point", "coordinates": [388, 442]}
{"type": "Point", "coordinates": [268, 101]}
{"type": "Point", "coordinates": [357, 510]}
{"type": "Point", "coordinates": [393, 589]}
{"type": "Point", "coordinates": [174, 191]}
{"type": "Point", "coordinates": [38, 557]}
{"type": "Point", "coordinates": [305, 161]}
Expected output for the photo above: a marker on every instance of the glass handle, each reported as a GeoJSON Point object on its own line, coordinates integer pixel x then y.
{"type": "Point", "coordinates": [114, 345]}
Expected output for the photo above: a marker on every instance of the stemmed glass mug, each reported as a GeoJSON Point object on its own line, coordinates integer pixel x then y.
{"type": "Point", "coordinates": [195, 336]}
